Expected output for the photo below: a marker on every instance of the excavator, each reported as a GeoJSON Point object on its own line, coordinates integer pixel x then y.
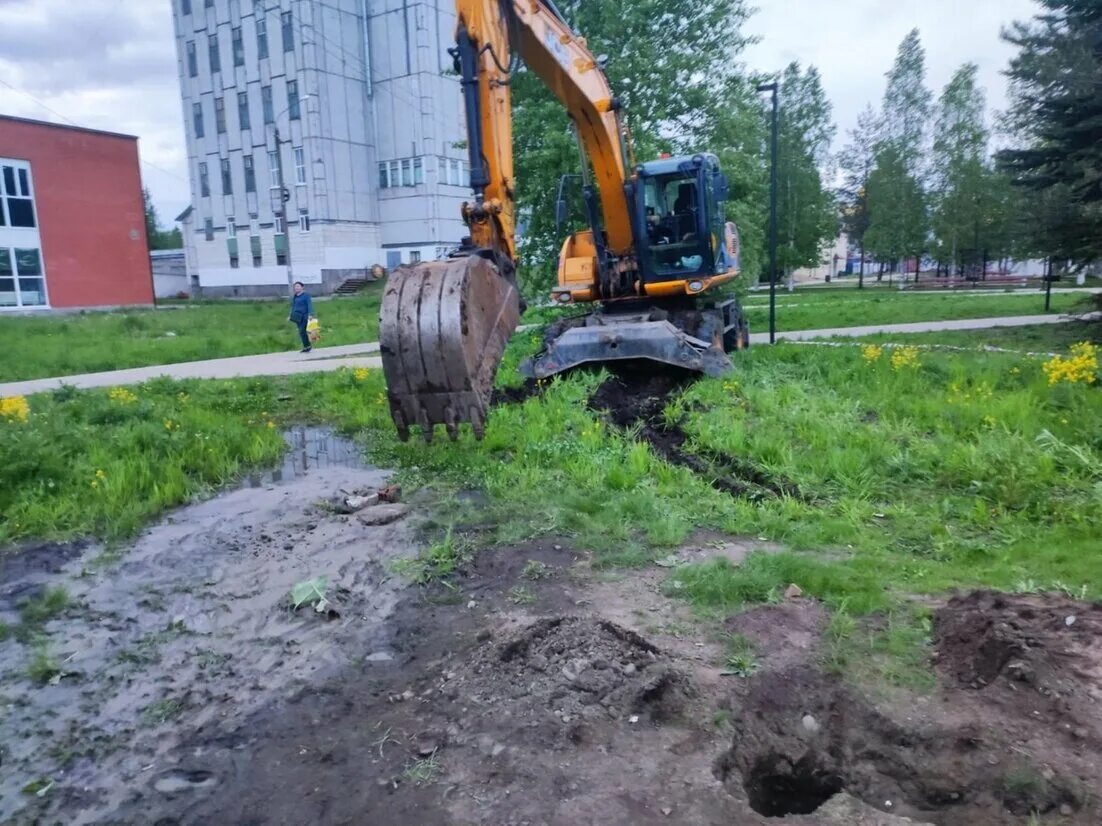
{"type": "Point", "coordinates": [655, 249]}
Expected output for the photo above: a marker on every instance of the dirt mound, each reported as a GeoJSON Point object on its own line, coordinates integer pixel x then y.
{"type": "Point", "coordinates": [581, 669]}
{"type": "Point", "coordinates": [801, 737]}
{"type": "Point", "coordinates": [1048, 642]}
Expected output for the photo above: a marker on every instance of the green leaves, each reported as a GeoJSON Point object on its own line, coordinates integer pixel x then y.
{"type": "Point", "coordinates": [310, 592]}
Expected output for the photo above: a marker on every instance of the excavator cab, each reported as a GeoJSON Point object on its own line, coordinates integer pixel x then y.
{"type": "Point", "coordinates": [678, 219]}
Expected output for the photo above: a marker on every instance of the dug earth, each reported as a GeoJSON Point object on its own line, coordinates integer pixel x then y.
{"type": "Point", "coordinates": [528, 690]}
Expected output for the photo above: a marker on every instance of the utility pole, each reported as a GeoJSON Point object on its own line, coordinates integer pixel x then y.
{"type": "Point", "coordinates": [284, 197]}
{"type": "Point", "coordinates": [1048, 284]}
{"type": "Point", "coordinates": [772, 88]}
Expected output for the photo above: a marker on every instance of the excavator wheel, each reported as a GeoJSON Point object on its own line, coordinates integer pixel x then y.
{"type": "Point", "coordinates": [443, 330]}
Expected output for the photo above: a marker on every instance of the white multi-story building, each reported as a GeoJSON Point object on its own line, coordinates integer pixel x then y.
{"type": "Point", "coordinates": [363, 98]}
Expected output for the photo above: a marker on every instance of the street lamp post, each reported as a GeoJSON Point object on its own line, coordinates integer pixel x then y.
{"type": "Point", "coordinates": [285, 195]}
{"type": "Point", "coordinates": [772, 88]}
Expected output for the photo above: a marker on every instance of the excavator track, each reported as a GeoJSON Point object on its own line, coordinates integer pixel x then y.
{"type": "Point", "coordinates": [443, 330]}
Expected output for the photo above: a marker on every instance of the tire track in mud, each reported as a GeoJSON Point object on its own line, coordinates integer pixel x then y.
{"type": "Point", "coordinates": [634, 399]}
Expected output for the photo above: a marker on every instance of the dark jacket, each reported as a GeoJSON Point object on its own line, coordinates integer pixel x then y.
{"type": "Point", "coordinates": [302, 308]}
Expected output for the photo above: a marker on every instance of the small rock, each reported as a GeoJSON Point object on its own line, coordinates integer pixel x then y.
{"type": "Point", "coordinates": [1066, 810]}
{"type": "Point", "coordinates": [407, 694]}
{"type": "Point", "coordinates": [484, 635]}
{"type": "Point", "coordinates": [793, 591]}
{"type": "Point", "coordinates": [427, 745]}
{"type": "Point", "coordinates": [358, 503]}
{"type": "Point", "coordinates": [1048, 774]}
{"type": "Point", "coordinates": [810, 724]}
{"type": "Point", "coordinates": [666, 810]}
{"type": "Point", "coordinates": [472, 605]}
{"type": "Point", "coordinates": [379, 657]}
{"type": "Point", "coordinates": [383, 514]}
{"type": "Point", "coordinates": [1069, 620]}
{"type": "Point", "coordinates": [633, 718]}
{"type": "Point", "coordinates": [557, 547]}
{"type": "Point", "coordinates": [496, 750]}
{"type": "Point", "coordinates": [391, 493]}
{"type": "Point", "coordinates": [629, 669]}
{"type": "Point", "coordinates": [1080, 733]}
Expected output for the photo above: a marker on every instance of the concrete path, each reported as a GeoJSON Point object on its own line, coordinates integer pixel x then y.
{"type": "Point", "coordinates": [921, 327]}
{"type": "Point", "coordinates": [362, 355]}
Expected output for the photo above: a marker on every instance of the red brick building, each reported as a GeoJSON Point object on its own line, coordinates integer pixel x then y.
{"type": "Point", "coordinates": [72, 221]}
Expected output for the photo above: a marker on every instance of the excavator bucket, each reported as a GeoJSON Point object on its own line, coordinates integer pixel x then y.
{"type": "Point", "coordinates": [443, 330]}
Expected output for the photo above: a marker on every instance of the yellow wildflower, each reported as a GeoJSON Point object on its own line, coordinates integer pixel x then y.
{"type": "Point", "coordinates": [100, 474]}
{"type": "Point", "coordinates": [1080, 366]}
{"type": "Point", "coordinates": [1014, 371]}
{"type": "Point", "coordinates": [121, 395]}
{"type": "Point", "coordinates": [905, 357]}
{"type": "Point", "coordinates": [14, 408]}
{"type": "Point", "coordinates": [872, 352]}
{"type": "Point", "coordinates": [171, 425]}
{"type": "Point", "coordinates": [989, 421]}
{"type": "Point", "coordinates": [271, 424]}
{"type": "Point", "coordinates": [183, 397]}
{"type": "Point", "coordinates": [361, 373]}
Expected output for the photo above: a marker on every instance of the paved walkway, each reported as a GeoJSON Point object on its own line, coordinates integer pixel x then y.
{"type": "Point", "coordinates": [362, 355]}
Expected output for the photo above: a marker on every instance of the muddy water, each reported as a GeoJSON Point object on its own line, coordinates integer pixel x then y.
{"type": "Point", "coordinates": [190, 627]}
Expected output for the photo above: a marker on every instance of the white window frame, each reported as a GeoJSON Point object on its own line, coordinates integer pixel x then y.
{"type": "Point", "coordinates": [231, 228]}
{"type": "Point", "coordinates": [300, 166]}
{"type": "Point", "coordinates": [278, 225]}
{"type": "Point", "coordinates": [273, 169]}
{"type": "Point", "coordinates": [303, 221]}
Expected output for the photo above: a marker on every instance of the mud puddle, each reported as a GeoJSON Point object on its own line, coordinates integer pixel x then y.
{"type": "Point", "coordinates": [190, 627]}
{"type": "Point", "coordinates": [637, 398]}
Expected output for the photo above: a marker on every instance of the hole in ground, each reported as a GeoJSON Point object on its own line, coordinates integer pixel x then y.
{"type": "Point", "coordinates": [777, 787]}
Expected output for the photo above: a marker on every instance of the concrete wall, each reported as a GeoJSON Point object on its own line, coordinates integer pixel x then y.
{"type": "Point", "coordinates": [169, 273]}
{"type": "Point", "coordinates": [90, 215]}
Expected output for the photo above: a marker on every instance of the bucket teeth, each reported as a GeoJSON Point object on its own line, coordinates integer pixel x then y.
{"type": "Point", "coordinates": [443, 330]}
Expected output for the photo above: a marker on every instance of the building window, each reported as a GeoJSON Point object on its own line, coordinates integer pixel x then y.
{"type": "Point", "coordinates": [303, 221]}
{"type": "Point", "coordinates": [405, 172]}
{"type": "Point", "coordinates": [453, 172]}
{"type": "Point", "coordinates": [273, 168]}
{"type": "Point", "coordinates": [234, 262]}
{"type": "Point", "coordinates": [258, 260]}
{"type": "Point", "coordinates": [292, 100]}
{"type": "Point", "coordinates": [280, 228]}
{"type": "Point", "coordinates": [261, 37]}
{"type": "Point", "coordinates": [197, 118]}
{"type": "Point", "coordinates": [215, 58]}
{"type": "Point", "coordinates": [22, 283]}
{"type": "Point", "coordinates": [204, 181]}
{"type": "Point", "coordinates": [208, 228]}
{"type": "Point", "coordinates": [17, 205]}
{"type": "Point", "coordinates": [250, 174]}
{"type": "Point", "coordinates": [220, 116]}
{"type": "Point", "coordinates": [243, 110]}
{"type": "Point", "coordinates": [185, 6]}
{"type": "Point", "coordinates": [300, 166]}
{"type": "Point", "coordinates": [231, 228]}
{"type": "Point", "coordinates": [288, 32]}
{"type": "Point", "coordinates": [227, 178]}
{"type": "Point", "coordinates": [415, 257]}
{"type": "Point", "coordinates": [192, 60]}
{"type": "Point", "coordinates": [238, 47]}
{"type": "Point", "coordinates": [266, 103]}
{"type": "Point", "coordinates": [209, 4]}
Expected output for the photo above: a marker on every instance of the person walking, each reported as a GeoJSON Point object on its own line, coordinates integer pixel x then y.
{"type": "Point", "coordinates": [302, 310]}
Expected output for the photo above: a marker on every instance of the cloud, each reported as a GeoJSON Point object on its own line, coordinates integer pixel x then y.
{"type": "Point", "coordinates": [104, 64]}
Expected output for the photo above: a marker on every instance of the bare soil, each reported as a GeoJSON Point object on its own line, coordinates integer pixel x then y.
{"type": "Point", "coordinates": [531, 690]}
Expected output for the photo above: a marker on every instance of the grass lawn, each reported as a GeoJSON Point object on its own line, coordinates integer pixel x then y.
{"type": "Point", "coordinates": [1038, 338]}
{"type": "Point", "coordinates": [904, 472]}
{"type": "Point", "coordinates": [817, 309]}
{"type": "Point", "coordinates": [62, 345]}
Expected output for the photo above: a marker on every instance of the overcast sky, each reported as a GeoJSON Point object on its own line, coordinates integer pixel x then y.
{"type": "Point", "coordinates": [111, 64]}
